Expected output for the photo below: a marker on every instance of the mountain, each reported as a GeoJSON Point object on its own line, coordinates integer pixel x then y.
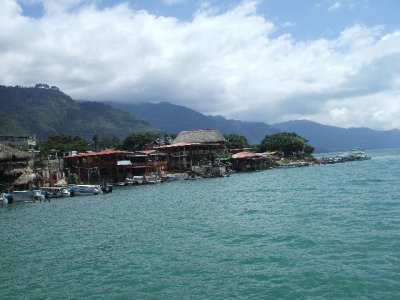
{"type": "Point", "coordinates": [329, 138]}
{"type": "Point", "coordinates": [175, 118]}
{"type": "Point", "coordinates": [44, 111]}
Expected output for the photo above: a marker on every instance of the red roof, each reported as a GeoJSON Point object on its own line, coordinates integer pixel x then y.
{"type": "Point", "coordinates": [104, 152]}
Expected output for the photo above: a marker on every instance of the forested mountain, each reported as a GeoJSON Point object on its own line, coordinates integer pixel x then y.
{"type": "Point", "coordinates": [329, 138]}
{"type": "Point", "coordinates": [175, 118]}
{"type": "Point", "coordinates": [44, 111]}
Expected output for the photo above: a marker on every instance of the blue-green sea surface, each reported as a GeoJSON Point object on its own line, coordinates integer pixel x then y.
{"type": "Point", "coordinates": [320, 232]}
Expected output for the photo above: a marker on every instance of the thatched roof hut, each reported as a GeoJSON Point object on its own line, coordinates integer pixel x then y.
{"type": "Point", "coordinates": [25, 179]}
{"type": "Point", "coordinates": [8, 153]}
{"type": "Point", "coordinates": [200, 136]}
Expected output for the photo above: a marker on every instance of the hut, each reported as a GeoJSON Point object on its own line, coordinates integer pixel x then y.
{"type": "Point", "coordinates": [194, 148]}
{"type": "Point", "coordinates": [13, 164]}
{"type": "Point", "coordinates": [202, 136]}
{"type": "Point", "coordinates": [28, 180]}
{"type": "Point", "coordinates": [247, 161]}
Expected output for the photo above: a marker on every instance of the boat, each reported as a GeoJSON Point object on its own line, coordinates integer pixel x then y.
{"type": "Point", "coordinates": [358, 154]}
{"type": "Point", "coordinates": [5, 198]}
{"type": "Point", "coordinates": [153, 179]}
{"type": "Point", "coordinates": [26, 196]}
{"type": "Point", "coordinates": [135, 180]}
{"type": "Point", "coordinates": [84, 189]}
{"type": "Point", "coordinates": [56, 192]}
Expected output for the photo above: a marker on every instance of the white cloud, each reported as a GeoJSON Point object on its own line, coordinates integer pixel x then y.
{"type": "Point", "coordinates": [288, 24]}
{"type": "Point", "coordinates": [230, 63]}
{"type": "Point", "coordinates": [173, 2]}
{"type": "Point", "coordinates": [335, 6]}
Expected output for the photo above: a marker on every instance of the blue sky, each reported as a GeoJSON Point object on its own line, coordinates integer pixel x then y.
{"type": "Point", "coordinates": [334, 62]}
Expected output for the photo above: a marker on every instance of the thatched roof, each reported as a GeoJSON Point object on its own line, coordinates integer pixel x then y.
{"type": "Point", "coordinates": [9, 153]}
{"type": "Point", "coordinates": [200, 136]}
{"type": "Point", "coordinates": [17, 171]}
{"type": "Point", "coordinates": [25, 178]}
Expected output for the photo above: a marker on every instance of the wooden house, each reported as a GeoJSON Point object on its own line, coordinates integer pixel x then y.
{"type": "Point", "coordinates": [148, 162]}
{"type": "Point", "coordinates": [106, 166]}
{"type": "Point", "coordinates": [194, 148]}
{"type": "Point", "coordinates": [247, 161]}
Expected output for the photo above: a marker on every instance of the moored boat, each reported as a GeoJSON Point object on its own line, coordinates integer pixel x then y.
{"type": "Point", "coordinates": [27, 196]}
{"type": "Point", "coordinates": [56, 192]}
{"type": "Point", "coordinates": [84, 189]}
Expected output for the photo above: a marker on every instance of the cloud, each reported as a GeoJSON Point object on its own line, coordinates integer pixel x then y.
{"type": "Point", "coordinates": [288, 24]}
{"type": "Point", "coordinates": [173, 2]}
{"type": "Point", "coordinates": [221, 62]}
{"type": "Point", "coordinates": [335, 6]}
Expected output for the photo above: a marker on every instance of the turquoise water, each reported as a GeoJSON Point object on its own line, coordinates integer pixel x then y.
{"type": "Point", "coordinates": [324, 232]}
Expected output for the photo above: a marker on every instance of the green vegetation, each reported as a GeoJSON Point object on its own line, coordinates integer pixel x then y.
{"type": "Point", "coordinates": [73, 179]}
{"type": "Point", "coordinates": [114, 142]}
{"type": "Point", "coordinates": [45, 111]}
{"type": "Point", "coordinates": [236, 141]}
{"type": "Point", "coordinates": [290, 144]}
{"type": "Point", "coordinates": [64, 143]}
{"type": "Point", "coordinates": [138, 141]}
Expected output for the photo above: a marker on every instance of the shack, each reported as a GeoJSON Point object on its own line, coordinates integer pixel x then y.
{"type": "Point", "coordinates": [247, 161]}
{"type": "Point", "coordinates": [108, 166]}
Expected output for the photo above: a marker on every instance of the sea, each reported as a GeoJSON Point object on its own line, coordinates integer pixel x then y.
{"type": "Point", "coordinates": [317, 232]}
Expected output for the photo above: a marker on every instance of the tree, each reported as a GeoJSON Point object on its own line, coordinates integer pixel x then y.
{"type": "Point", "coordinates": [236, 141]}
{"type": "Point", "coordinates": [64, 143]}
{"type": "Point", "coordinates": [96, 141]}
{"type": "Point", "coordinates": [138, 141]}
{"type": "Point", "coordinates": [290, 144]}
{"type": "Point", "coordinates": [114, 142]}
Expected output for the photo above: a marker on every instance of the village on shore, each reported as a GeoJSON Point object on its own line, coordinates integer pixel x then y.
{"type": "Point", "coordinates": [192, 154]}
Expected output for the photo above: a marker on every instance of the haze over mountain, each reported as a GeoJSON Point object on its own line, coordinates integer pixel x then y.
{"type": "Point", "coordinates": [48, 111]}
{"type": "Point", "coordinates": [329, 138]}
{"type": "Point", "coordinates": [175, 118]}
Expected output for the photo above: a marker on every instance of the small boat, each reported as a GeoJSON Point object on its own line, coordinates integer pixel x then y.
{"type": "Point", "coordinates": [107, 188]}
{"type": "Point", "coordinates": [27, 196]}
{"type": "Point", "coordinates": [56, 192]}
{"type": "Point", "coordinates": [135, 180]}
{"type": "Point", "coordinates": [84, 189]}
{"type": "Point", "coordinates": [153, 179]}
{"type": "Point", "coordinates": [6, 198]}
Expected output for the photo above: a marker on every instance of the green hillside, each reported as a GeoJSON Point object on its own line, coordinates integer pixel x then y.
{"type": "Point", "coordinates": [175, 118]}
{"type": "Point", "coordinates": [44, 111]}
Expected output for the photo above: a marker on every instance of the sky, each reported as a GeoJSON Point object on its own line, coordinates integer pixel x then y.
{"type": "Point", "coordinates": [333, 62]}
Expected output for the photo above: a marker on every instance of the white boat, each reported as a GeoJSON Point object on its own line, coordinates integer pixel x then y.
{"type": "Point", "coordinates": [27, 196]}
{"type": "Point", "coordinates": [358, 154]}
{"type": "Point", "coordinates": [56, 192]}
{"type": "Point", "coordinates": [135, 180]}
{"type": "Point", "coordinates": [84, 189]}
